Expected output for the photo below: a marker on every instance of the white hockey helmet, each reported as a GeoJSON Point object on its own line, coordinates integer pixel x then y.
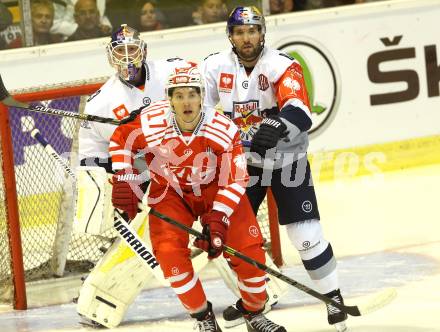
{"type": "Point", "coordinates": [188, 76]}
{"type": "Point", "coordinates": [126, 52]}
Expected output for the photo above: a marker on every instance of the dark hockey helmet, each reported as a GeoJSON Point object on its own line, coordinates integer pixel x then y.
{"type": "Point", "coordinates": [126, 52]}
{"type": "Point", "coordinates": [245, 16]}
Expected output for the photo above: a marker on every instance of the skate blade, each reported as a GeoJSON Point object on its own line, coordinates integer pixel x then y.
{"type": "Point", "coordinates": [341, 327]}
{"type": "Point", "coordinates": [232, 323]}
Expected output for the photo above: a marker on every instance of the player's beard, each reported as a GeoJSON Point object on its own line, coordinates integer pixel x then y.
{"type": "Point", "coordinates": [249, 55]}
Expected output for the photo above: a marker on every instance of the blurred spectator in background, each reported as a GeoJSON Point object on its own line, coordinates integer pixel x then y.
{"type": "Point", "coordinates": [150, 18]}
{"type": "Point", "coordinates": [317, 4]}
{"type": "Point", "coordinates": [281, 6]}
{"type": "Point", "coordinates": [5, 22]}
{"type": "Point", "coordinates": [5, 17]}
{"type": "Point", "coordinates": [64, 20]}
{"type": "Point", "coordinates": [87, 17]}
{"type": "Point", "coordinates": [365, 1]}
{"type": "Point", "coordinates": [42, 14]}
{"type": "Point", "coordinates": [210, 11]}
{"type": "Point", "coordinates": [122, 12]}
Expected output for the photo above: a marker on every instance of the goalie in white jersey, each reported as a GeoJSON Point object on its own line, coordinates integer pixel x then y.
{"type": "Point", "coordinates": [106, 293]}
{"type": "Point", "coordinates": [263, 91]}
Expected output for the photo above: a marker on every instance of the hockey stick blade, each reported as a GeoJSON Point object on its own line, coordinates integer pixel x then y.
{"type": "Point", "coordinates": [6, 99]}
{"type": "Point", "coordinates": [375, 303]}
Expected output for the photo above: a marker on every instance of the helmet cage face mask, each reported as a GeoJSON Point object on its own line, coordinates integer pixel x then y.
{"type": "Point", "coordinates": [186, 77]}
{"type": "Point", "coordinates": [126, 52]}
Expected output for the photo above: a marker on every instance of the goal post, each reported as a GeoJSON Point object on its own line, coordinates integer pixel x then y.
{"type": "Point", "coordinates": [9, 212]}
{"type": "Point", "coordinates": [36, 205]}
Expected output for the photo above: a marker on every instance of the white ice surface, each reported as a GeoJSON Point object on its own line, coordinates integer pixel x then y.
{"type": "Point", "coordinates": [385, 231]}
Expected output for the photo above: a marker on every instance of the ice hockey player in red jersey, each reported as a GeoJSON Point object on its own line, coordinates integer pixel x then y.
{"type": "Point", "coordinates": [198, 169]}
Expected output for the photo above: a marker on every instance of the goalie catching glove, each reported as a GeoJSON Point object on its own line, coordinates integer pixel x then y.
{"type": "Point", "coordinates": [126, 185]}
{"type": "Point", "coordinates": [215, 226]}
{"type": "Point", "coordinates": [267, 136]}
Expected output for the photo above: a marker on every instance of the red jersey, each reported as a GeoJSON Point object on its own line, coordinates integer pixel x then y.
{"type": "Point", "coordinates": [211, 154]}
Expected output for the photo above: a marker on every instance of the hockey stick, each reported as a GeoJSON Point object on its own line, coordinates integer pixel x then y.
{"type": "Point", "coordinates": [374, 304]}
{"type": "Point", "coordinates": [124, 230]}
{"type": "Point", "coordinates": [6, 99]}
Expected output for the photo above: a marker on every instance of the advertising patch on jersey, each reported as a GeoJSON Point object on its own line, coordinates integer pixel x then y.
{"type": "Point", "coordinates": [226, 82]}
{"type": "Point", "coordinates": [263, 82]}
{"type": "Point", "coordinates": [121, 112]}
{"type": "Point", "coordinates": [246, 116]}
{"type": "Point", "coordinates": [146, 101]}
{"type": "Point", "coordinates": [253, 231]}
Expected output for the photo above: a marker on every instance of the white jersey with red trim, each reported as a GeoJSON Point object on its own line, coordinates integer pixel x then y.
{"type": "Point", "coordinates": [116, 99]}
{"type": "Point", "coordinates": [276, 83]}
{"type": "Point", "coordinates": [211, 154]}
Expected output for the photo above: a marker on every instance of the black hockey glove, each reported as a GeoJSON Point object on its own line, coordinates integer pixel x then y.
{"type": "Point", "coordinates": [267, 136]}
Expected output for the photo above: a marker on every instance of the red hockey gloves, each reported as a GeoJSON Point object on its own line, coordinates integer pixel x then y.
{"type": "Point", "coordinates": [215, 225]}
{"type": "Point", "coordinates": [126, 183]}
{"type": "Point", "coordinates": [267, 136]}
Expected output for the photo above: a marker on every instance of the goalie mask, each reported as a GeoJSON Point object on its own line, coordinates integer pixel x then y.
{"type": "Point", "coordinates": [246, 16]}
{"type": "Point", "coordinates": [126, 52]}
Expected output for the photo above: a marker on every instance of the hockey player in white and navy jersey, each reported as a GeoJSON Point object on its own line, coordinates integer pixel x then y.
{"type": "Point", "coordinates": [263, 91]}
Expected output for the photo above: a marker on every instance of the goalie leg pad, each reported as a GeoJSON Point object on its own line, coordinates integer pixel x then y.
{"type": "Point", "coordinates": [115, 281]}
{"type": "Point", "coordinates": [93, 208]}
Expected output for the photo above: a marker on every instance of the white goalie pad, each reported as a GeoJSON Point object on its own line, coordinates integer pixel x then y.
{"type": "Point", "coordinates": [94, 212]}
{"type": "Point", "coordinates": [116, 280]}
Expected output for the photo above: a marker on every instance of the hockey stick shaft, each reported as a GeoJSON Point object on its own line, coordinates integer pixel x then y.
{"type": "Point", "coordinates": [6, 99]}
{"type": "Point", "coordinates": [124, 229]}
{"type": "Point", "coordinates": [351, 310]}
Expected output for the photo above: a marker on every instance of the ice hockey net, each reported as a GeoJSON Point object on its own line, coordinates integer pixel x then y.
{"type": "Point", "coordinates": [40, 201]}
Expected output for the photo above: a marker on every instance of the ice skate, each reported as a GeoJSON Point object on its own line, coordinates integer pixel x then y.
{"type": "Point", "coordinates": [206, 321]}
{"type": "Point", "coordinates": [234, 317]}
{"type": "Point", "coordinates": [84, 321]}
{"type": "Point", "coordinates": [335, 316]}
{"type": "Point", "coordinates": [257, 322]}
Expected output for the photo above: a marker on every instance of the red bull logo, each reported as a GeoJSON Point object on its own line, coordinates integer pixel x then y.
{"type": "Point", "coordinates": [246, 116]}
